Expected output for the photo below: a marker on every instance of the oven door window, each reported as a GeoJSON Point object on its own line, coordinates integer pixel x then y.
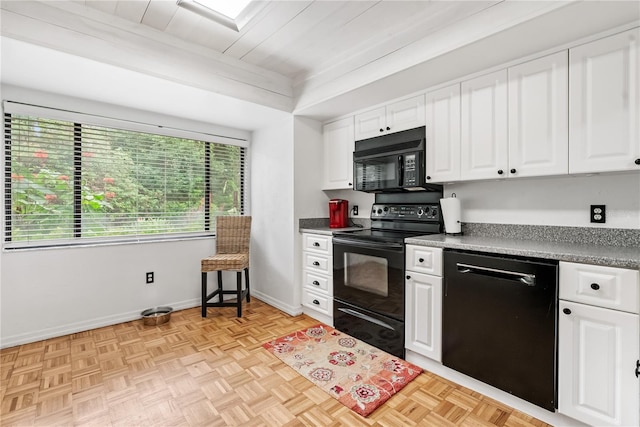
{"type": "Point", "coordinates": [377, 173]}
{"type": "Point", "coordinates": [370, 276]}
{"type": "Point", "coordinates": [366, 273]}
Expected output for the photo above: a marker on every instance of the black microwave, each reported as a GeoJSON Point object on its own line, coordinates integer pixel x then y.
{"type": "Point", "coordinates": [392, 163]}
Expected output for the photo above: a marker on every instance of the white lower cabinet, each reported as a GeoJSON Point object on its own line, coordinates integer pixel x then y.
{"type": "Point", "coordinates": [598, 352]}
{"type": "Point", "coordinates": [317, 277]}
{"type": "Point", "coordinates": [423, 301]}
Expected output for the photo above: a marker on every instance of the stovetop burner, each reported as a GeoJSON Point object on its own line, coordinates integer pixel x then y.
{"type": "Point", "coordinates": [381, 235]}
{"type": "Point", "coordinates": [395, 222]}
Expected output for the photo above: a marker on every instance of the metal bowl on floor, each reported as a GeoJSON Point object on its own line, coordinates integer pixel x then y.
{"type": "Point", "coordinates": [156, 316]}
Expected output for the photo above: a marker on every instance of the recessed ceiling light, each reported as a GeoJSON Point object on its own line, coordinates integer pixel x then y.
{"type": "Point", "coordinates": [232, 14]}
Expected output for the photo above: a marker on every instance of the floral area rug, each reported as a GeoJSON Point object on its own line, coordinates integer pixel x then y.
{"type": "Point", "coordinates": [359, 376]}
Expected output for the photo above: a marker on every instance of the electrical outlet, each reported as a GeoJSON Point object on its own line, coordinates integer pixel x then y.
{"type": "Point", "coordinates": [355, 210]}
{"type": "Point", "coordinates": [150, 277]}
{"type": "Point", "coordinates": [598, 213]}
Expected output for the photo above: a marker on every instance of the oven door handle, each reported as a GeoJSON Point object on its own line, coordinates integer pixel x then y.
{"type": "Point", "coordinates": [365, 317]}
{"type": "Point", "coordinates": [397, 247]}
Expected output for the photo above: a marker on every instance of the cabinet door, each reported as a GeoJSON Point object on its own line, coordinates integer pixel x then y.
{"type": "Point", "coordinates": [370, 124]}
{"type": "Point", "coordinates": [338, 155]}
{"type": "Point", "coordinates": [484, 127]}
{"type": "Point", "coordinates": [604, 110]}
{"type": "Point", "coordinates": [538, 117]}
{"type": "Point", "coordinates": [406, 114]}
{"type": "Point", "coordinates": [423, 322]}
{"type": "Point", "coordinates": [597, 354]}
{"type": "Point", "coordinates": [443, 134]}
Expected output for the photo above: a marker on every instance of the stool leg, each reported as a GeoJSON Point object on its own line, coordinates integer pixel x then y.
{"type": "Point", "coordinates": [220, 285]}
{"type": "Point", "coordinates": [246, 280]}
{"type": "Point", "coordinates": [204, 294]}
{"type": "Point", "coordinates": [239, 292]}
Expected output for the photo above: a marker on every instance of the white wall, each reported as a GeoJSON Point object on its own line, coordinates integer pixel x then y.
{"type": "Point", "coordinates": [47, 293]}
{"type": "Point", "coordinates": [273, 231]}
{"type": "Point", "coordinates": [562, 201]}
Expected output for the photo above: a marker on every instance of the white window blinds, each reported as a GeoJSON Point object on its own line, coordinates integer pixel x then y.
{"type": "Point", "coordinates": [69, 182]}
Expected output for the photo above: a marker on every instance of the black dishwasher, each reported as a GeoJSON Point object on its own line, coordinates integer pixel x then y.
{"type": "Point", "coordinates": [499, 322]}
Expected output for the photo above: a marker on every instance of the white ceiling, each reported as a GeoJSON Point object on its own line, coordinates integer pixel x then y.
{"type": "Point", "coordinates": [317, 58]}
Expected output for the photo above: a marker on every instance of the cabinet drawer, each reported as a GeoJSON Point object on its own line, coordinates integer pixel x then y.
{"type": "Point", "coordinates": [425, 260]}
{"type": "Point", "coordinates": [321, 303]}
{"type": "Point", "coordinates": [318, 263]}
{"type": "Point", "coordinates": [607, 287]}
{"type": "Point", "coordinates": [317, 243]}
{"type": "Point", "coordinates": [318, 282]}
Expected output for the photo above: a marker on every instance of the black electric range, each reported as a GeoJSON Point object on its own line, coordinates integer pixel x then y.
{"type": "Point", "coordinates": [368, 272]}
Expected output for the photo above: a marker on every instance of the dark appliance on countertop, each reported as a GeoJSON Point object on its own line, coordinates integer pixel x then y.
{"type": "Point", "coordinates": [392, 163]}
{"type": "Point", "coordinates": [499, 322]}
{"type": "Point", "coordinates": [338, 213]}
{"type": "Point", "coordinates": [368, 268]}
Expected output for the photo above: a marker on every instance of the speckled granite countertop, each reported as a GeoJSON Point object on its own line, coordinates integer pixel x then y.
{"type": "Point", "coordinates": [613, 256]}
{"type": "Point", "coordinates": [321, 225]}
{"type": "Point", "coordinates": [612, 247]}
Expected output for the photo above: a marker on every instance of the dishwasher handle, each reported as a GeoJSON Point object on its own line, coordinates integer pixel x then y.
{"type": "Point", "coordinates": [525, 278]}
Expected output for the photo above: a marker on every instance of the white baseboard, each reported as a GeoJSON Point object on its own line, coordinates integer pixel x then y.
{"type": "Point", "coordinates": [289, 309]}
{"type": "Point", "coordinates": [86, 325]}
{"type": "Point", "coordinates": [99, 322]}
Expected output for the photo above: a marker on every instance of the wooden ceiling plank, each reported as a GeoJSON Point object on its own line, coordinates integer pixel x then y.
{"type": "Point", "coordinates": [132, 10]}
{"type": "Point", "coordinates": [95, 24]}
{"type": "Point", "coordinates": [302, 51]}
{"type": "Point", "coordinates": [92, 34]}
{"type": "Point", "coordinates": [193, 28]}
{"type": "Point", "coordinates": [437, 16]}
{"type": "Point", "coordinates": [349, 37]}
{"type": "Point", "coordinates": [280, 44]}
{"type": "Point", "coordinates": [106, 6]}
{"type": "Point", "coordinates": [279, 15]}
{"type": "Point", "coordinates": [159, 13]}
{"type": "Point", "coordinates": [148, 58]}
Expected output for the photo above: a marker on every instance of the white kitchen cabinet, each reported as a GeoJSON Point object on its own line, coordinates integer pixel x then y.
{"type": "Point", "coordinates": [538, 117]}
{"type": "Point", "coordinates": [396, 117]}
{"type": "Point", "coordinates": [423, 301]}
{"type": "Point", "coordinates": [442, 109]}
{"type": "Point", "coordinates": [484, 143]}
{"type": "Point", "coordinates": [598, 347]}
{"type": "Point", "coordinates": [338, 146]}
{"type": "Point", "coordinates": [317, 277]}
{"type": "Point", "coordinates": [604, 110]}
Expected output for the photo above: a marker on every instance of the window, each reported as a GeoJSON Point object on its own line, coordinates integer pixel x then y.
{"type": "Point", "coordinates": [69, 181]}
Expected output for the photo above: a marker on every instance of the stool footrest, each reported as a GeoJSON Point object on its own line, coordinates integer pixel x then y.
{"type": "Point", "coordinates": [238, 292]}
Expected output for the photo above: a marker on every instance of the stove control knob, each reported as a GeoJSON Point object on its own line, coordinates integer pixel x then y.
{"type": "Point", "coordinates": [386, 208]}
{"type": "Point", "coordinates": [421, 212]}
{"type": "Point", "coordinates": [379, 211]}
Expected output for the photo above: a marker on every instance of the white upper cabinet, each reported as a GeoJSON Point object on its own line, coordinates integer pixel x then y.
{"type": "Point", "coordinates": [604, 110]}
{"type": "Point", "coordinates": [442, 109]}
{"type": "Point", "coordinates": [338, 149]}
{"type": "Point", "coordinates": [538, 117]}
{"type": "Point", "coordinates": [396, 117]}
{"type": "Point", "coordinates": [484, 141]}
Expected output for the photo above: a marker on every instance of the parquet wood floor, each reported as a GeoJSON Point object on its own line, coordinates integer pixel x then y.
{"type": "Point", "coordinates": [207, 372]}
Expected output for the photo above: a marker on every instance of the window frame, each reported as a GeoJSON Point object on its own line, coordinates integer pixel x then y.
{"type": "Point", "coordinates": [24, 109]}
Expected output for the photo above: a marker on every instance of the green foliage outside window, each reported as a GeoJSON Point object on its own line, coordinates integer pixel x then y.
{"type": "Point", "coordinates": [129, 182]}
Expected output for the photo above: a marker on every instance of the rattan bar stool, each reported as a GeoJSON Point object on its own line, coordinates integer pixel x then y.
{"type": "Point", "coordinates": [232, 254]}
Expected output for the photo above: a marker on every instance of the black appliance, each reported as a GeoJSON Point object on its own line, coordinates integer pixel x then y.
{"type": "Point", "coordinates": [499, 322]}
{"type": "Point", "coordinates": [392, 163]}
{"type": "Point", "coordinates": [368, 268]}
